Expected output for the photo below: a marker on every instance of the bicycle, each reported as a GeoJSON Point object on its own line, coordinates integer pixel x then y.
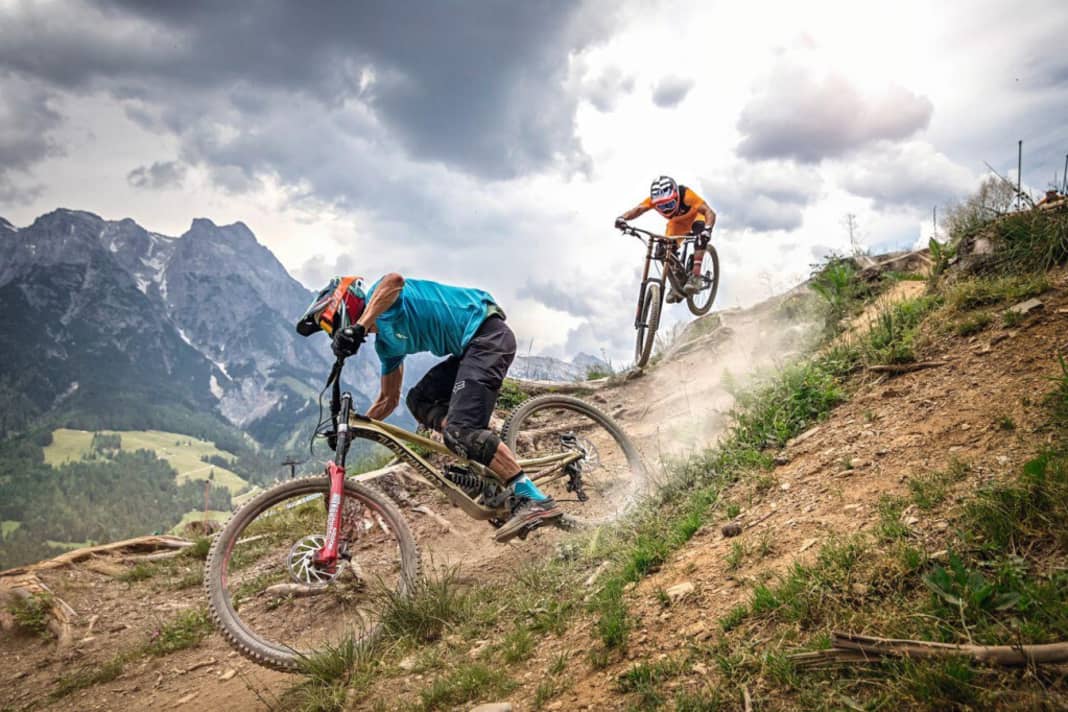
{"type": "Point", "coordinates": [677, 269]}
{"type": "Point", "coordinates": [283, 584]}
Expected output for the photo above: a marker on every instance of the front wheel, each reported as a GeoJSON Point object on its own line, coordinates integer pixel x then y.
{"type": "Point", "coordinates": [269, 599]}
{"type": "Point", "coordinates": [701, 302]}
{"type": "Point", "coordinates": [648, 323]}
{"type": "Point", "coordinates": [600, 485]}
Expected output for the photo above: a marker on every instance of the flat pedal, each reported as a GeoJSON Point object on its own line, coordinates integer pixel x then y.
{"type": "Point", "coordinates": [522, 533]}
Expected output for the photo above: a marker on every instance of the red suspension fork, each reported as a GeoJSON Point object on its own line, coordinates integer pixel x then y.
{"type": "Point", "coordinates": [327, 555]}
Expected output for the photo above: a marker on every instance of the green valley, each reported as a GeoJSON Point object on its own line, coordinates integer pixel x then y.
{"type": "Point", "coordinates": [192, 458]}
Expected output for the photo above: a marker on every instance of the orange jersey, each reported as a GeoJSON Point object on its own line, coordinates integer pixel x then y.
{"type": "Point", "coordinates": [682, 222]}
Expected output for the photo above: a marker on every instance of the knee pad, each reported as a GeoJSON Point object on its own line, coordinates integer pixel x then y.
{"type": "Point", "coordinates": [426, 412]}
{"type": "Point", "coordinates": [477, 445]}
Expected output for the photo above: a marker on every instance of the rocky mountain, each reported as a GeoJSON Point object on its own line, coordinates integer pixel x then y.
{"type": "Point", "coordinates": [547, 368]}
{"type": "Point", "coordinates": [109, 321]}
{"type": "Point", "coordinates": [110, 325]}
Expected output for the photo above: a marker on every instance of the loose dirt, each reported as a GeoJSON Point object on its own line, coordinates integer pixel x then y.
{"type": "Point", "coordinates": [830, 484]}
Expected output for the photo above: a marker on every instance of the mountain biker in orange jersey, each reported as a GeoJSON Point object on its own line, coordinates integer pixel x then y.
{"type": "Point", "coordinates": [457, 396]}
{"type": "Point", "coordinates": [687, 214]}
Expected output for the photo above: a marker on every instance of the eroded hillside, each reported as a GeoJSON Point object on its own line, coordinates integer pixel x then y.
{"type": "Point", "coordinates": [905, 481]}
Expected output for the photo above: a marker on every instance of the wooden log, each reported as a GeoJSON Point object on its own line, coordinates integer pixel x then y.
{"type": "Point", "coordinates": [849, 648]}
{"type": "Point", "coordinates": [137, 545]}
{"type": "Point", "coordinates": [537, 388]}
{"type": "Point", "coordinates": [60, 614]}
{"type": "Point", "coordinates": [158, 556]}
{"type": "Point", "coordinates": [297, 590]}
{"type": "Point", "coordinates": [396, 469]}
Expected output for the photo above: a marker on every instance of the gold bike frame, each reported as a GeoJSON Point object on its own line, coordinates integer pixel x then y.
{"type": "Point", "coordinates": [397, 439]}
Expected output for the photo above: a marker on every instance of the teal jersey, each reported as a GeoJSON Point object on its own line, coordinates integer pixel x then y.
{"type": "Point", "coordinates": [428, 316]}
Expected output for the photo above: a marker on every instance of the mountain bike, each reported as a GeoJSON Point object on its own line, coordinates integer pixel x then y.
{"type": "Point", "coordinates": [676, 267]}
{"type": "Point", "coordinates": [305, 566]}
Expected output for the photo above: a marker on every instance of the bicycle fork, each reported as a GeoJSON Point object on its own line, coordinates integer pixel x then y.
{"type": "Point", "coordinates": [340, 405]}
{"type": "Point", "coordinates": [645, 285]}
{"type": "Point", "coordinates": [326, 557]}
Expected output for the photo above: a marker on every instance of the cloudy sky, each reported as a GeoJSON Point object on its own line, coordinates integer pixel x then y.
{"type": "Point", "coordinates": [492, 143]}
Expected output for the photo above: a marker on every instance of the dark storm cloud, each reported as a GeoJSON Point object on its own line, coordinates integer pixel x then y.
{"type": "Point", "coordinates": [26, 118]}
{"type": "Point", "coordinates": [474, 85]}
{"type": "Point", "coordinates": [26, 122]}
{"type": "Point", "coordinates": [573, 301]}
{"type": "Point", "coordinates": [158, 176]}
{"type": "Point", "coordinates": [11, 194]}
{"type": "Point", "coordinates": [805, 118]}
{"type": "Point", "coordinates": [670, 91]}
{"type": "Point", "coordinates": [762, 196]}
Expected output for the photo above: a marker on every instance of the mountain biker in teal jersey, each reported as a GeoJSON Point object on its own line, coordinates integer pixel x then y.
{"type": "Point", "coordinates": [457, 396]}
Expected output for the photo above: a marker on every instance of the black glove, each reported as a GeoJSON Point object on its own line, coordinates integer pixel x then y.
{"type": "Point", "coordinates": [698, 227]}
{"type": "Point", "coordinates": [347, 341]}
{"type": "Point", "coordinates": [621, 223]}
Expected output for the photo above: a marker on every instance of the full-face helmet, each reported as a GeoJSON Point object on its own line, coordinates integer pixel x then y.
{"type": "Point", "coordinates": [338, 305]}
{"type": "Point", "coordinates": [664, 194]}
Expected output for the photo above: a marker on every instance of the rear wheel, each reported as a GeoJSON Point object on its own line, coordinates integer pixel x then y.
{"type": "Point", "coordinates": [701, 302]}
{"type": "Point", "coordinates": [268, 598]}
{"type": "Point", "coordinates": [610, 472]}
{"type": "Point", "coordinates": [648, 323]}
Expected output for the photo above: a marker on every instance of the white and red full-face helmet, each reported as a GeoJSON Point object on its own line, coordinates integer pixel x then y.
{"type": "Point", "coordinates": [338, 305]}
{"type": "Point", "coordinates": [664, 195]}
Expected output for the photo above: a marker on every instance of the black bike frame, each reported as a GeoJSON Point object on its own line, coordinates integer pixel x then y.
{"type": "Point", "coordinates": [672, 265]}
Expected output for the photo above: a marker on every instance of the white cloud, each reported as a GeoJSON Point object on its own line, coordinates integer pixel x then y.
{"type": "Point", "coordinates": [506, 166]}
{"type": "Point", "coordinates": [802, 116]}
{"type": "Point", "coordinates": [911, 175]}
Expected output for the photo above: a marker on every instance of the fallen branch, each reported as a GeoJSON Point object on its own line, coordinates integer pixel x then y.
{"type": "Point", "coordinates": [592, 579]}
{"type": "Point", "coordinates": [537, 388]}
{"type": "Point", "coordinates": [849, 648]}
{"type": "Point", "coordinates": [297, 590]}
{"type": "Point", "coordinates": [423, 509]}
{"type": "Point", "coordinates": [396, 469]}
{"type": "Point", "coordinates": [127, 547]}
{"type": "Point", "coordinates": [159, 555]}
{"type": "Point", "coordinates": [905, 367]}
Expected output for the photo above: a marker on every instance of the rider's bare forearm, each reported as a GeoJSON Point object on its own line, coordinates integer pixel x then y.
{"type": "Point", "coordinates": [709, 215]}
{"type": "Point", "coordinates": [388, 395]}
{"type": "Point", "coordinates": [633, 212]}
{"type": "Point", "coordinates": [389, 288]}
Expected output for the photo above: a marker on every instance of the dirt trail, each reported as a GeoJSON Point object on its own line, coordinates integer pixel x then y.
{"type": "Point", "coordinates": [830, 482]}
{"type": "Point", "coordinates": [677, 407]}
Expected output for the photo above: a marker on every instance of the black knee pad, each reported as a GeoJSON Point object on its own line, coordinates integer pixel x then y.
{"type": "Point", "coordinates": [477, 445]}
{"type": "Point", "coordinates": [426, 412]}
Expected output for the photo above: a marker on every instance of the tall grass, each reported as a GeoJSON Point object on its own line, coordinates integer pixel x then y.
{"type": "Point", "coordinates": [1031, 240]}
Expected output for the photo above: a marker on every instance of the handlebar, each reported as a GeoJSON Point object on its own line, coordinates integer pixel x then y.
{"type": "Point", "coordinates": [637, 232]}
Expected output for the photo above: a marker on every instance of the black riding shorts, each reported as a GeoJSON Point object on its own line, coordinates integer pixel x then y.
{"type": "Point", "coordinates": [469, 383]}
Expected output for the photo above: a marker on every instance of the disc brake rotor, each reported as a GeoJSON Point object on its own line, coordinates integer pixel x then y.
{"type": "Point", "coordinates": [302, 566]}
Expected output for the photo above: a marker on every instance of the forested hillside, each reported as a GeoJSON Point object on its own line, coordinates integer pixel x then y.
{"type": "Point", "coordinates": [114, 495]}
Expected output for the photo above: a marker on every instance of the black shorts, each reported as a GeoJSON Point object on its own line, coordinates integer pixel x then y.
{"type": "Point", "coordinates": [469, 383]}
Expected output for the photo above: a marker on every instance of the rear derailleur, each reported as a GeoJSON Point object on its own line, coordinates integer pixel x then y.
{"type": "Point", "coordinates": [573, 470]}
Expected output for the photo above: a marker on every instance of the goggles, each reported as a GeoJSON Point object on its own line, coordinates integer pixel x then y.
{"type": "Point", "coordinates": [668, 208]}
